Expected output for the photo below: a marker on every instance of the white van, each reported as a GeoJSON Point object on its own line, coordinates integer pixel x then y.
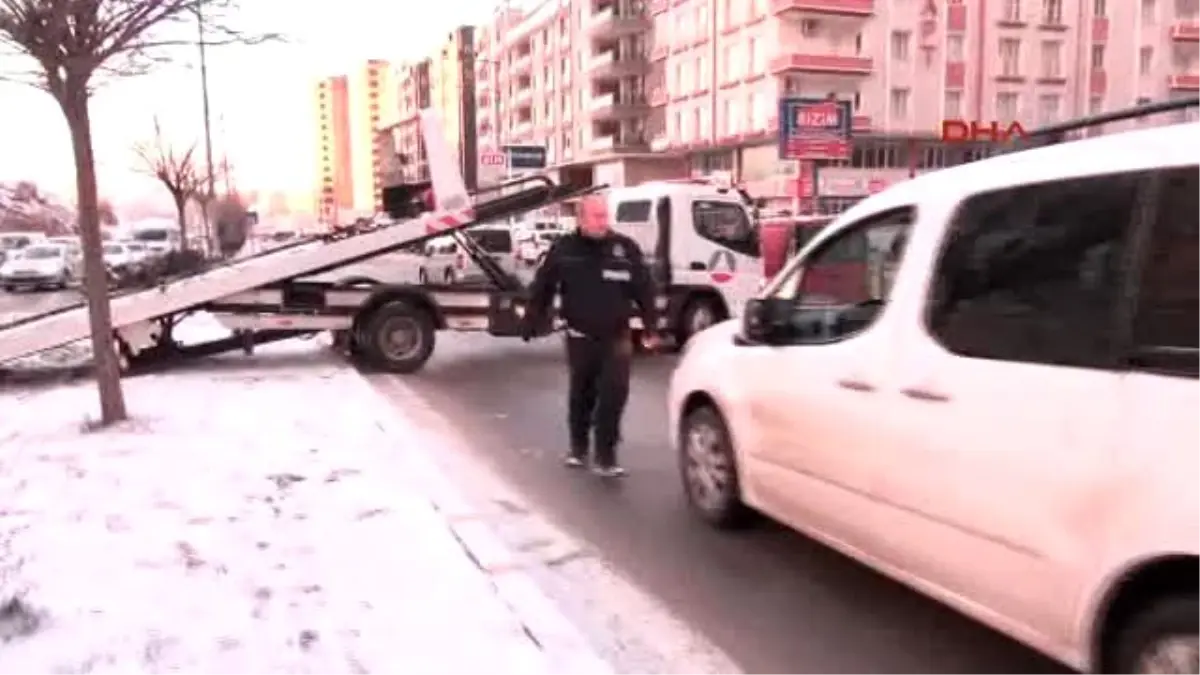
{"type": "Point", "coordinates": [702, 244]}
{"type": "Point", "coordinates": [1002, 413]}
{"type": "Point", "coordinates": [159, 239]}
{"type": "Point", "coordinates": [446, 263]}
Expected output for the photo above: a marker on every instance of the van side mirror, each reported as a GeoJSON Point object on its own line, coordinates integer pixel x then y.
{"type": "Point", "coordinates": [764, 320]}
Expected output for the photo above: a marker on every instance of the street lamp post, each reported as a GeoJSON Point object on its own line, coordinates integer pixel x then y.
{"type": "Point", "coordinates": [208, 148]}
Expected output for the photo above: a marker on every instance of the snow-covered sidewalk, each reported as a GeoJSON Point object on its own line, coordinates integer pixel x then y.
{"type": "Point", "coordinates": [264, 516]}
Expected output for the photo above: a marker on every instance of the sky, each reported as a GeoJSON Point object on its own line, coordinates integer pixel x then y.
{"type": "Point", "coordinates": [261, 97]}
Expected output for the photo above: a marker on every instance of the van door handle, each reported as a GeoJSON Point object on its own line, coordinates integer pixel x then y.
{"type": "Point", "coordinates": [697, 266]}
{"type": "Point", "coordinates": [925, 395]}
{"type": "Point", "coordinates": [856, 385]}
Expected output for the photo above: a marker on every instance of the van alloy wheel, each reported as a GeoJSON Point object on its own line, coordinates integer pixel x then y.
{"type": "Point", "coordinates": [708, 468]}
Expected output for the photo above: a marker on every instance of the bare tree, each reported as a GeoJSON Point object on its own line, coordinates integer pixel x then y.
{"type": "Point", "coordinates": [177, 171]}
{"type": "Point", "coordinates": [72, 44]}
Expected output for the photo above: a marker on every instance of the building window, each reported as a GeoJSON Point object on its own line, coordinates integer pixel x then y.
{"type": "Point", "coordinates": [1012, 10]}
{"type": "Point", "coordinates": [1095, 104]}
{"type": "Point", "coordinates": [754, 56]}
{"type": "Point", "coordinates": [952, 105]}
{"type": "Point", "coordinates": [1010, 57]}
{"type": "Point", "coordinates": [1052, 59]}
{"type": "Point", "coordinates": [1052, 11]}
{"type": "Point", "coordinates": [954, 47]}
{"type": "Point", "coordinates": [1098, 57]}
{"type": "Point", "coordinates": [1145, 60]}
{"type": "Point", "coordinates": [1048, 108]}
{"type": "Point", "coordinates": [1149, 11]}
{"type": "Point", "coordinates": [1007, 105]}
{"type": "Point", "coordinates": [900, 40]}
{"type": "Point", "coordinates": [1098, 7]}
{"type": "Point", "coordinates": [899, 101]}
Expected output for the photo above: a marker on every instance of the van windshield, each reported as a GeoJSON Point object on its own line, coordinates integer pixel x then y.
{"type": "Point", "coordinates": [492, 241]}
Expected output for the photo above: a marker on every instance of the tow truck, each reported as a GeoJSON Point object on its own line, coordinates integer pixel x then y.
{"type": "Point", "coordinates": [273, 295]}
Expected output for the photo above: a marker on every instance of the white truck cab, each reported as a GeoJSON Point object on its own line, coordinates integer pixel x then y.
{"type": "Point", "coordinates": [1001, 413]}
{"type": "Point", "coordinates": [702, 244]}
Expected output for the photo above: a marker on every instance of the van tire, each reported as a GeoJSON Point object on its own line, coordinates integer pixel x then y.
{"type": "Point", "coordinates": [1166, 618]}
{"type": "Point", "coordinates": [698, 313]}
{"type": "Point", "coordinates": [723, 507]}
{"type": "Point", "coordinates": [380, 328]}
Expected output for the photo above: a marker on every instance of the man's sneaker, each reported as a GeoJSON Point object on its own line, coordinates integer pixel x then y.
{"type": "Point", "coordinates": [573, 461]}
{"type": "Point", "coordinates": [608, 471]}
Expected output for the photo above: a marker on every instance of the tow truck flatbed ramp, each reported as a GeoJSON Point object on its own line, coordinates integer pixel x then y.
{"type": "Point", "coordinates": [132, 311]}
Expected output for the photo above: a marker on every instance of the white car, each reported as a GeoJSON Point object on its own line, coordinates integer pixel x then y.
{"type": "Point", "coordinates": [998, 409]}
{"type": "Point", "coordinates": [42, 266]}
{"type": "Point", "coordinates": [119, 256]}
{"type": "Point", "coordinates": [446, 263]}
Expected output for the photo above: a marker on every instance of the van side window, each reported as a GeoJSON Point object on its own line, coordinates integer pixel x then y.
{"type": "Point", "coordinates": [1033, 274]}
{"type": "Point", "coordinates": [725, 223]}
{"type": "Point", "coordinates": [1164, 327]}
{"type": "Point", "coordinates": [633, 212]}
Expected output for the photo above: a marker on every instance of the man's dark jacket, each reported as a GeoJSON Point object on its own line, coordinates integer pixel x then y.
{"type": "Point", "coordinates": [598, 280]}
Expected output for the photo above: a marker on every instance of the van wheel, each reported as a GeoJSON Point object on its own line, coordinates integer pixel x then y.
{"type": "Point", "coordinates": [398, 337]}
{"type": "Point", "coordinates": [698, 314]}
{"type": "Point", "coordinates": [708, 467]}
{"type": "Point", "coordinates": [448, 277]}
{"type": "Point", "coordinates": [1163, 638]}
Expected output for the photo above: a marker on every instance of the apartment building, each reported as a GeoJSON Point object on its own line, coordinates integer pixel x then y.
{"type": "Point", "coordinates": [452, 95]}
{"type": "Point", "coordinates": [335, 186]}
{"type": "Point", "coordinates": [372, 98]}
{"type": "Point", "coordinates": [413, 95]}
{"type": "Point", "coordinates": [720, 67]}
{"type": "Point", "coordinates": [570, 75]}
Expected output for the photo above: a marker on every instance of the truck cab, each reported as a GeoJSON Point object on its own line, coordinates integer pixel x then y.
{"type": "Point", "coordinates": [702, 244]}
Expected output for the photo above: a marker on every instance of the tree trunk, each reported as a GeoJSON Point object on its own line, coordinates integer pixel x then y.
{"type": "Point", "coordinates": [181, 213]}
{"type": "Point", "coordinates": [95, 283]}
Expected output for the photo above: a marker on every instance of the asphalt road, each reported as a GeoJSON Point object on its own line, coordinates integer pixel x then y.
{"type": "Point", "coordinates": [772, 599]}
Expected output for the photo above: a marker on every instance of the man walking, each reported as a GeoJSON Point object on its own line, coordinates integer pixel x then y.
{"type": "Point", "coordinates": [599, 275]}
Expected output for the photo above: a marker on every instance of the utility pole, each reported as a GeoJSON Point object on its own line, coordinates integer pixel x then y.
{"type": "Point", "coordinates": [208, 148]}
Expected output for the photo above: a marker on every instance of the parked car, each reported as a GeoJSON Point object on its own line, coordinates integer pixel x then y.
{"type": "Point", "coordinates": [42, 266]}
{"type": "Point", "coordinates": [15, 241]}
{"type": "Point", "coordinates": [445, 261]}
{"type": "Point", "coordinates": [1003, 415]}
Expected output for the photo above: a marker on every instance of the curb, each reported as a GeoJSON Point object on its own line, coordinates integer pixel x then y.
{"type": "Point", "coordinates": [565, 647]}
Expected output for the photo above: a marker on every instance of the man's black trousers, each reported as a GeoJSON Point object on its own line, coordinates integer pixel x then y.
{"type": "Point", "coordinates": [599, 387]}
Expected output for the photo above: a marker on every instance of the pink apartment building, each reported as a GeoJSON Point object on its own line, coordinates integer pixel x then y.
{"type": "Point", "coordinates": [648, 89]}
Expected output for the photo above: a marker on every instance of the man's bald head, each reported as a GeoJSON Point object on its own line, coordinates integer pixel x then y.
{"type": "Point", "coordinates": [593, 216]}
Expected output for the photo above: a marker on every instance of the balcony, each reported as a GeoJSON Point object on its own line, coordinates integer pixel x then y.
{"type": "Point", "coordinates": [619, 143]}
{"type": "Point", "coordinates": [612, 107]}
{"type": "Point", "coordinates": [521, 63]}
{"type": "Point", "coordinates": [607, 65]}
{"type": "Point", "coordinates": [523, 96]}
{"type": "Point", "coordinates": [821, 63]}
{"type": "Point", "coordinates": [804, 9]}
{"type": "Point", "coordinates": [522, 130]}
{"type": "Point", "coordinates": [608, 24]}
{"type": "Point", "coordinates": [1186, 31]}
{"type": "Point", "coordinates": [1187, 82]}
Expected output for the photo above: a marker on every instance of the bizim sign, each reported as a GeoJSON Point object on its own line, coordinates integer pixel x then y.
{"type": "Point", "coordinates": [525, 157]}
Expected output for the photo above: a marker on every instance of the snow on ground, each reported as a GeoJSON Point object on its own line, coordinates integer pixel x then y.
{"type": "Point", "coordinates": [255, 516]}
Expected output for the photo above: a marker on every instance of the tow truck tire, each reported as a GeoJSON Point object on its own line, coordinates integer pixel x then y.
{"type": "Point", "coordinates": [699, 313]}
{"type": "Point", "coordinates": [397, 337]}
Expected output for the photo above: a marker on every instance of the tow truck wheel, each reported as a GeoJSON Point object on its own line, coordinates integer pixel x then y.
{"type": "Point", "coordinates": [397, 337]}
{"type": "Point", "coordinates": [699, 313]}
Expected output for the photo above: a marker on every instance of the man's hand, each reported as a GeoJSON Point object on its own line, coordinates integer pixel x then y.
{"type": "Point", "coordinates": [651, 342]}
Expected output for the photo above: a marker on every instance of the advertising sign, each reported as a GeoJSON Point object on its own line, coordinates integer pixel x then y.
{"type": "Point", "coordinates": [526, 157]}
{"type": "Point", "coordinates": [814, 128]}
